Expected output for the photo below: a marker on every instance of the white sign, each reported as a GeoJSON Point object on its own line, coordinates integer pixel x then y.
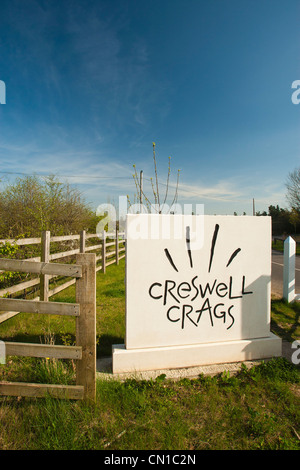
{"type": "Point", "coordinates": [186, 291]}
{"type": "Point", "coordinates": [176, 295]}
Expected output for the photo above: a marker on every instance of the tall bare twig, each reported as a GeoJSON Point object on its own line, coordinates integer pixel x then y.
{"type": "Point", "coordinates": [156, 176]}
{"type": "Point", "coordinates": [155, 187]}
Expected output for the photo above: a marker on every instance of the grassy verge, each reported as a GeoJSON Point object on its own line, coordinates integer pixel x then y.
{"type": "Point", "coordinates": [285, 320]}
{"type": "Point", "coordinates": [278, 245]}
{"type": "Point", "coordinates": [255, 409]}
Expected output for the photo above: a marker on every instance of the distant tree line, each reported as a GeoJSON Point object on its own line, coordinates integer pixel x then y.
{"type": "Point", "coordinates": [32, 204]}
{"type": "Point", "coordinates": [287, 220]}
{"type": "Point", "coordinates": [284, 221]}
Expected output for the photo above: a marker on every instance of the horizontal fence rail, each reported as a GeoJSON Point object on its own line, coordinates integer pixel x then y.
{"type": "Point", "coordinates": [84, 311]}
{"type": "Point", "coordinates": [112, 252]}
{"type": "Point", "coordinates": [34, 306]}
{"type": "Point", "coordinates": [43, 350]}
{"type": "Point", "coordinates": [40, 268]}
{"type": "Point", "coordinates": [20, 389]}
{"type": "Point", "coordinates": [19, 287]}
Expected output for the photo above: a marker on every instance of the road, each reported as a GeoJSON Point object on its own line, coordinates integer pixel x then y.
{"type": "Point", "coordinates": [277, 274]}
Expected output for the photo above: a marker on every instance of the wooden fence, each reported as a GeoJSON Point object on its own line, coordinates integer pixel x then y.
{"type": "Point", "coordinates": [289, 270]}
{"type": "Point", "coordinates": [110, 251]}
{"type": "Point", "coordinates": [84, 310]}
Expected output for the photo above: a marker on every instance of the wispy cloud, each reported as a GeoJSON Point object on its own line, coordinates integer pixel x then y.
{"type": "Point", "coordinates": [220, 191]}
{"type": "Point", "coordinates": [76, 164]}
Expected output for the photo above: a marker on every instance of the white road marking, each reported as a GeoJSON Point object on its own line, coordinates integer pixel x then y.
{"type": "Point", "coordinates": [274, 262]}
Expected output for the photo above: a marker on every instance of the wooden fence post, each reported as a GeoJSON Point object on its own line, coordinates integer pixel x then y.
{"type": "Point", "coordinates": [45, 253]}
{"type": "Point", "coordinates": [86, 324]}
{"type": "Point", "coordinates": [104, 252]}
{"type": "Point", "coordinates": [117, 246]}
{"type": "Point", "coordinates": [82, 241]}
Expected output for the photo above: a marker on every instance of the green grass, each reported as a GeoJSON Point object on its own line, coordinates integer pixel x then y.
{"type": "Point", "coordinates": [110, 328]}
{"type": "Point", "coordinates": [278, 245]}
{"type": "Point", "coordinates": [256, 409]}
{"type": "Point", "coordinates": [285, 320]}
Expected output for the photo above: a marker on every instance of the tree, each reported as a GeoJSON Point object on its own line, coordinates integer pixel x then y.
{"type": "Point", "coordinates": [294, 218]}
{"type": "Point", "coordinates": [280, 220]}
{"type": "Point", "coordinates": [160, 201]}
{"type": "Point", "coordinates": [31, 205]}
{"type": "Point", "coordinates": [293, 189]}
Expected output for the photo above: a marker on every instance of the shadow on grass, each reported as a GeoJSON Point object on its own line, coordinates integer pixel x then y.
{"type": "Point", "coordinates": [103, 347]}
{"type": "Point", "coordinates": [285, 319]}
{"type": "Point", "coordinates": [105, 342]}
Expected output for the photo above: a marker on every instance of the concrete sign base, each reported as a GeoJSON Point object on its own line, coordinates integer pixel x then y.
{"type": "Point", "coordinates": [136, 360]}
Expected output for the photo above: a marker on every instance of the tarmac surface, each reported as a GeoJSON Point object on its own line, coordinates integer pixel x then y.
{"type": "Point", "coordinates": [277, 274]}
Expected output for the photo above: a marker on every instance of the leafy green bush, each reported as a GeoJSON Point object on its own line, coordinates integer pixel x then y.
{"type": "Point", "coordinates": [33, 204]}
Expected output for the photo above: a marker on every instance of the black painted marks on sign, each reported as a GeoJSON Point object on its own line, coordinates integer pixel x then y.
{"type": "Point", "coordinates": [233, 256]}
{"type": "Point", "coordinates": [213, 243]}
{"type": "Point", "coordinates": [212, 249]}
{"type": "Point", "coordinates": [170, 259]}
{"type": "Point", "coordinates": [188, 245]}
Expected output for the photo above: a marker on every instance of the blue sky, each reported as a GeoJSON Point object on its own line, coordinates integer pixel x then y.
{"type": "Point", "coordinates": [91, 84]}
